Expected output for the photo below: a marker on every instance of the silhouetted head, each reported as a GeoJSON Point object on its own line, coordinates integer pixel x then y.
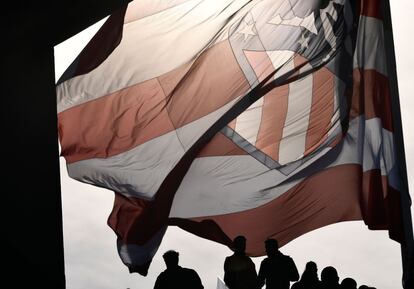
{"type": "Point", "coordinates": [171, 259]}
{"type": "Point", "coordinates": [348, 283]}
{"type": "Point", "coordinates": [363, 287]}
{"type": "Point", "coordinates": [310, 274]}
{"type": "Point", "coordinates": [311, 267]}
{"type": "Point", "coordinates": [271, 246]}
{"type": "Point", "coordinates": [239, 244]}
{"type": "Point", "coordinates": [329, 276]}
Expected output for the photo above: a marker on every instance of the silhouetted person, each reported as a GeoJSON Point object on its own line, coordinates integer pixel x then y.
{"type": "Point", "coordinates": [239, 269]}
{"type": "Point", "coordinates": [348, 283]}
{"type": "Point", "coordinates": [277, 270]}
{"type": "Point", "coordinates": [309, 278]}
{"type": "Point", "coordinates": [175, 276]}
{"type": "Point", "coordinates": [329, 278]}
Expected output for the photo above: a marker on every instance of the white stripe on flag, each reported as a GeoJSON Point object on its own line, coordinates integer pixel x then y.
{"type": "Point", "coordinates": [370, 51]}
{"type": "Point", "coordinates": [292, 145]}
{"type": "Point", "coordinates": [248, 123]}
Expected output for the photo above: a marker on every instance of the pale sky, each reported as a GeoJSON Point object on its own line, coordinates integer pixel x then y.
{"type": "Point", "coordinates": [370, 257]}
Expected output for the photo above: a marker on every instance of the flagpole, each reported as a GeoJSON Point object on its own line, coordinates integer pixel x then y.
{"type": "Point", "coordinates": [407, 248]}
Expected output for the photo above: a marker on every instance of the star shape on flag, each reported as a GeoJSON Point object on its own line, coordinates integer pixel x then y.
{"type": "Point", "coordinates": [290, 19]}
{"type": "Point", "coordinates": [247, 30]}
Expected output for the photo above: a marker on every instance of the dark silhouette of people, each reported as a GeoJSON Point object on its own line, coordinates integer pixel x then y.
{"type": "Point", "coordinates": [329, 278]}
{"type": "Point", "coordinates": [348, 283]}
{"type": "Point", "coordinates": [309, 278]}
{"type": "Point", "coordinates": [175, 276]}
{"type": "Point", "coordinates": [277, 270]}
{"type": "Point", "coordinates": [239, 269]}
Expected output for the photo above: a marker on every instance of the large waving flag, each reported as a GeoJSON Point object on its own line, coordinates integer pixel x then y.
{"type": "Point", "coordinates": [264, 118]}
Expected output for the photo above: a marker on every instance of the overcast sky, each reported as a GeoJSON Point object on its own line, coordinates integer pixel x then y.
{"type": "Point", "coordinates": [370, 257]}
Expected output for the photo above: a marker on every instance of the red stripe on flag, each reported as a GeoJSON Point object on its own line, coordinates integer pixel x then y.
{"type": "Point", "coordinates": [170, 80]}
{"type": "Point", "coordinates": [371, 8]}
{"type": "Point", "coordinates": [371, 97]}
{"type": "Point", "coordinates": [124, 214]}
{"type": "Point", "coordinates": [322, 109]}
{"type": "Point", "coordinates": [274, 113]}
{"type": "Point", "coordinates": [115, 123]}
{"type": "Point", "coordinates": [214, 79]}
{"type": "Point", "coordinates": [381, 205]}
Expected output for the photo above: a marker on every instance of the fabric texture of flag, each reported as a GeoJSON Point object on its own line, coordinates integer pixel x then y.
{"type": "Point", "coordinates": [263, 118]}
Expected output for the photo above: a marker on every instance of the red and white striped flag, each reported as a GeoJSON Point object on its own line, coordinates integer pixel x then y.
{"type": "Point", "coordinates": [263, 118]}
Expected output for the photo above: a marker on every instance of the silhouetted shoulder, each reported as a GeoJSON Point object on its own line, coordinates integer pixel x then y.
{"type": "Point", "coordinates": [189, 272]}
{"type": "Point", "coordinates": [265, 261]}
{"type": "Point", "coordinates": [287, 257]}
{"type": "Point", "coordinates": [162, 280]}
{"type": "Point", "coordinates": [162, 275]}
{"type": "Point", "coordinates": [193, 279]}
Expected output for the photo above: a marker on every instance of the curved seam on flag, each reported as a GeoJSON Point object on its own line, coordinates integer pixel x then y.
{"type": "Point", "coordinates": [169, 117]}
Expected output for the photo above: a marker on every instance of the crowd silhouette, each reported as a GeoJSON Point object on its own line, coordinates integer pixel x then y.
{"type": "Point", "coordinates": [277, 271]}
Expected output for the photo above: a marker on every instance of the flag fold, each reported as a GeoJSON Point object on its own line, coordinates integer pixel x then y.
{"type": "Point", "coordinates": [264, 118]}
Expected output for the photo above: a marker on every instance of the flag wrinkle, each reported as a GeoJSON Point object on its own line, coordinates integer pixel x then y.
{"type": "Point", "coordinates": [219, 115]}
